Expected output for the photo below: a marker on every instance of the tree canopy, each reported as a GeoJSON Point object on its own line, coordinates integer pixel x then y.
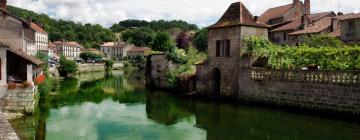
{"type": "Point", "coordinates": [159, 25]}
{"type": "Point", "coordinates": [88, 35]}
{"type": "Point", "coordinates": [200, 40]}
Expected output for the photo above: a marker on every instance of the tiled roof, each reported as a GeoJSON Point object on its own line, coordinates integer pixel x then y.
{"type": "Point", "coordinates": [108, 44]}
{"type": "Point", "coordinates": [316, 27]}
{"type": "Point", "coordinates": [37, 28]}
{"type": "Point", "coordinates": [22, 54]}
{"type": "Point", "coordinates": [293, 25]}
{"type": "Point", "coordinates": [139, 49]}
{"type": "Point", "coordinates": [336, 33]}
{"type": "Point", "coordinates": [273, 13]}
{"type": "Point", "coordinates": [318, 16]}
{"type": "Point", "coordinates": [350, 16]}
{"type": "Point", "coordinates": [237, 14]}
{"type": "Point", "coordinates": [70, 44]}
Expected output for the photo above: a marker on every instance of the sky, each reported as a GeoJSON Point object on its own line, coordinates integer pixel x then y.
{"type": "Point", "coordinates": [200, 12]}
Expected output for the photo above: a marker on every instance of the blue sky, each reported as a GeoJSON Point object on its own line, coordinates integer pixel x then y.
{"type": "Point", "coordinates": [200, 12]}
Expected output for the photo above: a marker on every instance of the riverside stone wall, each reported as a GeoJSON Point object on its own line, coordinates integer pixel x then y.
{"type": "Point", "coordinates": [87, 68]}
{"type": "Point", "coordinates": [318, 90]}
{"type": "Point", "coordinates": [6, 131]}
{"type": "Point", "coordinates": [18, 101]}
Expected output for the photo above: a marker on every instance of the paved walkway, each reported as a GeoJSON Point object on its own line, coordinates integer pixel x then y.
{"type": "Point", "coordinates": [6, 131]}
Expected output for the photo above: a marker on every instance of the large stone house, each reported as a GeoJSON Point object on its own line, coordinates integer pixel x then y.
{"type": "Point", "coordinates": [289, 22]}
{"type": "Point", "coordinates": [15, 32]}
{"type": "Point", "coordinates": [138, 51]}
{"type": "Point", "coordinates": [219, 74]}
{"type": "Point", "coordinates": [41, 38]}
{"type": "Point", "coordinates": [70, 50]}
{"type": "Point", "coordinates": [350, 28]}
{"type": "Point", "coordinates": [117, 50]}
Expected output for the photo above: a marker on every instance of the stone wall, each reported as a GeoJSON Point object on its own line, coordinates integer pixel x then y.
{"type": "Point", "coordinates": [6, 131]}
{"type": "Point", "coordinates": [86, 68]}
{"type": "Point", "coordinates": [318, 90]}
{"type": "Point", "coordinates": [156, 69]}
{"type": "Point", "coordinates": [18, 101]}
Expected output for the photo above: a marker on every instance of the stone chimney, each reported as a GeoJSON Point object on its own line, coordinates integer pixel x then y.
{"type": "Point", "coordinates": [295, 2]}
{"type": "Point", "coordinates": [3, 4]}
{"type": "Point", "coordinates": [307, 7]}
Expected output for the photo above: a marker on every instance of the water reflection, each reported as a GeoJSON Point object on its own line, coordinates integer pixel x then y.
{"type": "Point", "coordinates": [117, 106]}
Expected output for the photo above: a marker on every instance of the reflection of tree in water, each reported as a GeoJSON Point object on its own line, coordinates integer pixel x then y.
{"type": "Point", "coordinates": [164, 109]}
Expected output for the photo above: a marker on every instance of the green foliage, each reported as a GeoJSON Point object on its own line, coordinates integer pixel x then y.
{"type": "Point", "coordinates": [322, 40]}
{"type": "Point", "coordinates": [90, 56]}
{"type": "Point", "coordinates": [159, 25]}
{"type": "Point", "coordinates": [42, 56]}
{"type": "Point", "coordinates": [67, 67]}
{"type": "Point", "coordinates": [177, 56]}
{"type": "Point", "coordinates": [139, 36]}
{"type": "Point", "coordinates": [172, 76]}
{"type": "Point", "coordinates": [201, 40]}
{"type": "Point", "coordinates": [291, 57]}
{"type": "Point", "coordinates": [88, 35]}
{"type": "Point", "coordinates": [193, 56]}
{"type": "Point", "coordinates": [139, 59]}
{"type": "Point", "coordinates": [162, 42]}
{"type": "Point", "coordinates": [109, 64]}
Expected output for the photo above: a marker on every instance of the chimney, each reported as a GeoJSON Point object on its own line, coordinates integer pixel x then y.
{"type": "Point", "coordinates": [307, 7]}
{"type": "Point", "coordinates": [340, 13]}
{"type": "Point", "coordinates": [256, 18]}
{"type": "Point", "coordinates": [295, 2]}
{"type": "Point", "coordinates": [30, 20]}
{"type": "Point", "coordinates": [3, 4]}
{"type": "Point", "coordinates": [304, 21]}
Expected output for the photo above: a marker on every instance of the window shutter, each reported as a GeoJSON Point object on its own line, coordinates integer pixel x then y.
{"type": "Point", "coordinates": [218, 44]}
{"type": "Point", "coordinates": [227, 49]}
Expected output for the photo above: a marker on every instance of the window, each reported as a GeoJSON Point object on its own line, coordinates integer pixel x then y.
{"type": "Point", "coordinates": [351, 26]}
{"type": "Point", "coordinates": [285, 36]}
{"type": "Point", "coordinates": [223, 48]}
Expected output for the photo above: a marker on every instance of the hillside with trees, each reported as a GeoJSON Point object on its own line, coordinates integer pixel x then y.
{"type": "Point", "coordinates": [89, 35]}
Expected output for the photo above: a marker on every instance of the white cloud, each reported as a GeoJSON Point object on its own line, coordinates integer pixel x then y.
{"type": "Point", "coordinates": [201, 12]}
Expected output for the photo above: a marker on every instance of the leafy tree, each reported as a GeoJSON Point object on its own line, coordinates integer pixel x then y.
{"type": "Point", "coordinates": [67, 67]}
{"type": "Point", "coordinates": [139, 36]}
{"type": "Point", "coordinates": [162, 42]}
{"type": "Point", "coordinates": [182, 41]}
{"type": "Point", "coordinates": [88, 35]}
{"type": "Point", "coordinates": [160, 25]}
{"type": "Point", "coordinates": [139, 59]}
{"type": "Point", "coordinates": [90, 56]}
{"type": "Point", "coordinates": [322, 40]}
{"type": "Point", "coordinates": [109, 64]}
{"type": "Point", "coordinates": [42, 56]}
{"type": "Point", "coordinates": [200, 40]}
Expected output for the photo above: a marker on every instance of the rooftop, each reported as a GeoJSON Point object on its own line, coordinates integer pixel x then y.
{"type": "Point", "coordinates": [37, 28]}
{"type": "Point", "coordinates": [275, 12]}
{"type": "Point", "coordinates": [237, 14]}
{"type": "Point", "coordinates": [139, 49]}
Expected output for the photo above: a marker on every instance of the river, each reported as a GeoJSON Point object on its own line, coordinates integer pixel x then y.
{"type": "Point", "coordinates": [117, 106]}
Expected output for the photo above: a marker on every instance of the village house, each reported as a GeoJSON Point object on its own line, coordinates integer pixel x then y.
{"type": "Point", "coordinates": [70, 50]}
{"type": "Point", "coordinates": [138, 51]}
{"type": "Point", "coordinates": [52, 50]}
{"type": "Point", "coordinates": [350, 28]}
{"type": "Point", "coordinates": [15, 32]}
{"type": "Point", "coordinates": [41, 38]}
{"type": "Point", "coordinates": [116, 50]}
{"type": "Point", "coordinates": [290, 22]}
{"type": "Point", "coordinates": [219, 74]}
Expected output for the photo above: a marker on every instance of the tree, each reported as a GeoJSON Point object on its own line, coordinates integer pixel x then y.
{"type": "Point", "coordinates": [200, 40]}
{"type": "Point", "coordinates": [109, 64]}
{"type": "Point", "coordinates": [67, 67]}
{"type": "Point", "coordinates": [42, 56]}
{"type": "Point", "coordinates": [90, 56]}
{"type": "Point", "coordinates": [182, 41]}
{"type": "Point", "coordinates": [162, 42]}
{"type": "Point", "coordinates": [322, 40]}
{"type": "Point", "coordinates": [139, 36]}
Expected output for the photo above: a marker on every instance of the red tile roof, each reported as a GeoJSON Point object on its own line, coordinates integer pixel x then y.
{"type": "Point", "coordinates": [25, 56]}
{"type": "Point", "coordinates": [139, 49]}
{"type": "Point", "coordinates": [336, 33]}
{"type": "Point", "coordinates": [275, 12]}
{"type": "Point", "coordinates": [293, 25]}
{"type": "Point", "coordinates": [316, 27]}
{"type": "Point", "coordinates": [70, 44]}
{"type": "Point", "coordinates": [237, 14]}
{"type": "Point", "coordinates": [37, 28]}
{"type": "Point", "coordinates": [318, 16]}
{"type": "Point", "coordinates": [350, 16]}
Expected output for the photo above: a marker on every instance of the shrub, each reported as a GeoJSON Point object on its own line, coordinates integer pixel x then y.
{"type": "Point", "coordinates": [67, 67]}
{"type": "Point", "coordinates": [109, 64]}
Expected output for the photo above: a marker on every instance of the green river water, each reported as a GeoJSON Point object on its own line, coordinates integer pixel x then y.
{"type": "Point", "coordinates": [117, 106]}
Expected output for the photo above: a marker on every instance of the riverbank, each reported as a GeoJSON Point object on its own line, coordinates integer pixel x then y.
{"type": "Point", "coordinates": [88, 68]}
{"type": "Point", "coordinates": [6, 131]}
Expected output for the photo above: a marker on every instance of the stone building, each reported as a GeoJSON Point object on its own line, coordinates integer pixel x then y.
{"type": "Point", "coordinates": [138, 51]}
{"type": "Point", "coordinates": [117, 50]}
{"type": "Point", "coordinates": [219, 74]}
{"type": "Point", "coordinates": [71, 50]}
{"type": "Point", "coordinates": [350, 28]}
{"type": "Point", "coordinates": [41, 38]}
{"type": "Point", "coordinates": [15, 32]}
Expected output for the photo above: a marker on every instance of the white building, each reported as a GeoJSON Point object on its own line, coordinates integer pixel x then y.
{"type": "Point", "coordinates": [117, 50]}
{"type": "Point", "coordinates": [41, 38]}
{"type": "Point", "coordinates": [71, 50]}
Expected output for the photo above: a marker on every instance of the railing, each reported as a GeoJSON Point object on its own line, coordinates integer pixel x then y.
{"type": "Point", "coordinates": [319, 76]}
